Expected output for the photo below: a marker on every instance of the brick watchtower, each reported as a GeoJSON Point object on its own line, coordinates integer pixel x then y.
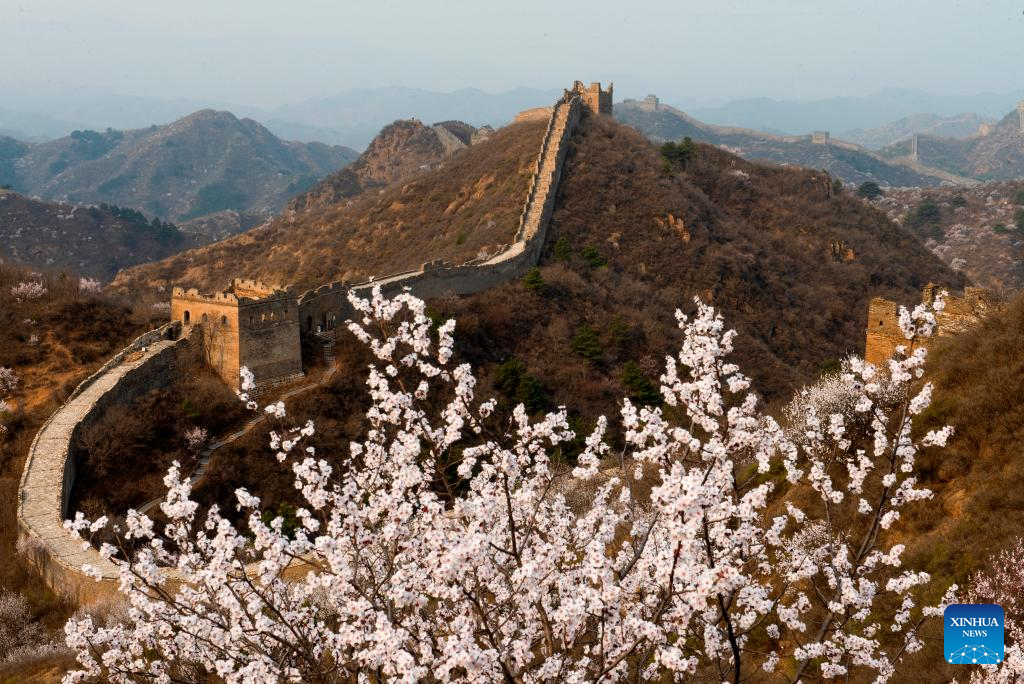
{"type": "Point", "coordinates": [594, 98]}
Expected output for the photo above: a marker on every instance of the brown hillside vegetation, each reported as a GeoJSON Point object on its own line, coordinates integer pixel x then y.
{"type": "Point", "coordinates": [468, 205]}
{"type": "Point", "coordinates": [91, 241]}
{"type": "Point", "coordinates": [789, 263]}
{"type": "Point", "coordinates": [51, 343]}
{"type": "Point", "coordinates": [978, 230]}
{"type": "Point", "coordinates": [401, 150]}
{"type": "Point", "coordinates": [978, 479]}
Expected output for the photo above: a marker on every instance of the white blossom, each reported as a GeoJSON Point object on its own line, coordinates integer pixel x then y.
{"type": "Point", "coordinates": [402, 571]}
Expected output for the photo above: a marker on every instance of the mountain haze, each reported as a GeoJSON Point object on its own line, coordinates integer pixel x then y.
{"type": "Point", "coordinates": [999, 155]}
{"type": "Point", "coordinates": [206, 162]}
{"type": "Point", "coordinates": [843, 160]}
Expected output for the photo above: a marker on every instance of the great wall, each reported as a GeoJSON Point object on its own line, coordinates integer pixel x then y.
{"type": "Point", "coordinates": [263, 327]}
{"type": "Point", "coordinates": [260, 326]}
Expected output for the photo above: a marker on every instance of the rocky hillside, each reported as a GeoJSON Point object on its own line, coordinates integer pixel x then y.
{"type": "Point", "coordinates": [998, 155]}
{"type": "Point", "coordinates": [792, 263]}
{"type": "Point", "coordinates": [88, 241]}
{"type": "Point", "coordinates": [958, 126]}
{"type": "Point", "coordinates": [978, 230]}
{"type": "Point", "coordinates": [848, 162]}
{"type": "Point", "coordinates": [465, 205]}
{"type": "Point", "coordinates": [400, 150]}
{"type": "Point", "coordinates": [204, 163]}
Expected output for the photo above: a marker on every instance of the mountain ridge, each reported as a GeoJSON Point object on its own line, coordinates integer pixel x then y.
{"type": "Point", "coordinates": [205, 162]}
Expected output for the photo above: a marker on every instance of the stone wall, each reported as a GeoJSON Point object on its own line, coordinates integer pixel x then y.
{"type": "Point", "coordinates": [269, 333]}
{"type": "Point", "coordinates": [269, 339]}
{"type": "Point", "coordinates": [959, 314]}
{"type": "Point", "coordinates": [324, 306]}
{"type": "Point", "coordinates": [535, 114]}
{"type": "Point", "coordinates": [49, 473]}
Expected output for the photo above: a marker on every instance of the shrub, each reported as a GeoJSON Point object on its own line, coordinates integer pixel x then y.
{"type": "Point", "coordinates": [592, 257]}
{"type": "Point", "coordinates": [1018, 219]}
{"type": "Point", "coordinates": [958, 200]}
{"type": "Point", "coordinates": [1019, 197]}
{"type": "Point", "coordinates": [587, 344]}
{"type": "Point", "coordinates": [289, 521]}
{"type": "Point", "coordinates": [641, 389]}
{"type": "Point", "coordinates": [534, 281]}
{"type": "Point", "coordinates": [20, 633]}
{"type": "Point", "coordinates": [869, 190]}
{"type": "Point", "coordinates": [1000, 228]}
{"type": "Point", "coordinates": [678, 153]}
{"type": "Point", "coordinates": [925, 219]}
{"type": "Point", "coordinates": [563, 249]}
{"type": "Point", "coordinates": [517, 384]}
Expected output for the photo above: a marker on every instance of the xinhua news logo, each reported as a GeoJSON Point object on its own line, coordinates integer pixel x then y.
{"type": "Point", "coordinates": [973, 634]}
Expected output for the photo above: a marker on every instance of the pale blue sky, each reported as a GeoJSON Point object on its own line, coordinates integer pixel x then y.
{"type": "Point", "coordinates": [267, 53]}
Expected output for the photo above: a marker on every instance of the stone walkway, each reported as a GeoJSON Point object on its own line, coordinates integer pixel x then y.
{"type": "Point", "coordinates": [205, 454]}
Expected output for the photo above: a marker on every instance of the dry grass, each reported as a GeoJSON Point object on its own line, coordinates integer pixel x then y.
{"type": "Point", "coordinates": [471, 203]}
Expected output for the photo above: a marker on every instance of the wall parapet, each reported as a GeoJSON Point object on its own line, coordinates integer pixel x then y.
{"type": "Point", "coordinates": [46, 481]}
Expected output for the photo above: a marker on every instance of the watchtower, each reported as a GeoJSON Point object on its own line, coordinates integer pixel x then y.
{"type": "Point", "coordinates": [594, 98]}
{"type": "Point", "coordinates": [820, 138]}
{"type": "Point", "coordinates": [1020, 114]}
{"type": "Point", "coordinates": [249, 324]}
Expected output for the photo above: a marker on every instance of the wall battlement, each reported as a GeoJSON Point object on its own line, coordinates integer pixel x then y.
{"type": "Point", "coordinates": [959, 314]}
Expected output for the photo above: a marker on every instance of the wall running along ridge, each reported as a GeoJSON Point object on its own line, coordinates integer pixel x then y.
{"type": "Point", "coordinates": [329, 303]}
{"type": "Point", "coordinates": [50, 469]}
{"type": "Point", "coordinates": [149, 361]}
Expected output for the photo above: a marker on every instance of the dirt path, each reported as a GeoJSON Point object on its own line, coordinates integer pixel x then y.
{"type": "Point", "coordinates": [204, 456]}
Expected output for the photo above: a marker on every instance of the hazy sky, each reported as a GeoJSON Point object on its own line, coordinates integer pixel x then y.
{"type": "Point", "coordinates": [266, 53]}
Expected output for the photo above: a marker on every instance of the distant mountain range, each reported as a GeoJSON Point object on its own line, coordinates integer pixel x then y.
{"type": "Point", "coordinates": [958, 126]}
{"type": "Point", "coordinates": [842, 160]}
{"type": "Point", "coordinates": [996, 155]}
{"type": "Point", "coordinates": [351, 118]}
{"type": "Point", "coordinates": [843, 114]}
{"type": "Point", "coordinates": [207, 162]}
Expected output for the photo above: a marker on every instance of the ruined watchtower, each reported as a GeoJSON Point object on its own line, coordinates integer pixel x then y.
{"type": "Point", "coordinates": [960, 313]}
{"type": "Point", "coordinates": [1020, 114]}
{"type": "Point", "coordinates": [249, 324]}
{"type": "Point", "coordinates": [596, 100]}
{"type": "Point", "coordinates": [820, 138]}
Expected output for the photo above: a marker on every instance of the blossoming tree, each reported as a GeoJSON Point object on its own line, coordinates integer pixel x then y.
{"type": "Point", "coordinates": [753, 548]}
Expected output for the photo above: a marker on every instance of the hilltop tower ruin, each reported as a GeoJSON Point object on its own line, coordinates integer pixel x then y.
{"type": "Point", "coordinates": [249, 324]}
{"type": "Point", "coordinates": [960, 313]}
{"type": "Point", "coordinates": [820, 138]}
{"type": "Point", "coordinates": [594, 98]}
{"type": "Point", "coordinates": [1020, 114]}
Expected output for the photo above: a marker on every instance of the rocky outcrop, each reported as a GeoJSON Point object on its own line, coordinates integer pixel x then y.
{"type": "Point", "coordinates": [401, 150]}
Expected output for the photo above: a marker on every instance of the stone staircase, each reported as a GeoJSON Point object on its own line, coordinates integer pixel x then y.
{"type": "Point", "coordinates": [545, 178]}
